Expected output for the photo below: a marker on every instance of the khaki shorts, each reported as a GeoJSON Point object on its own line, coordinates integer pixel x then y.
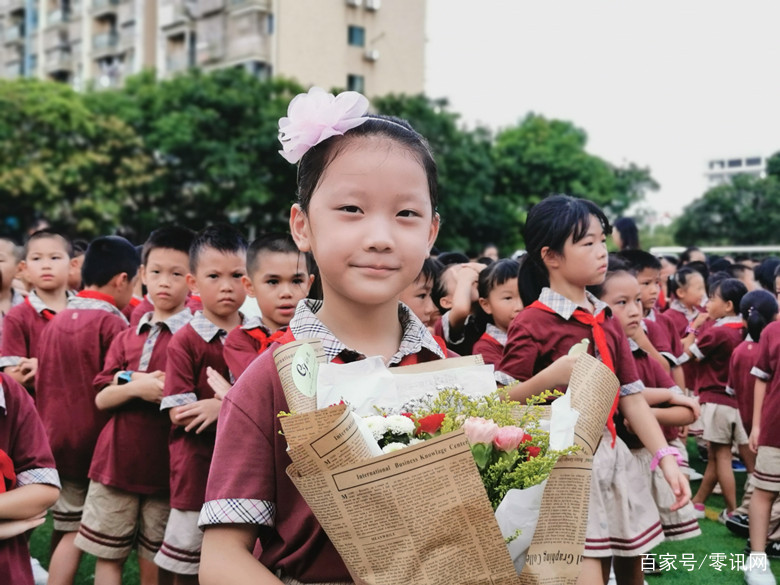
{"type": "Point", "coordinates": [766, 475]}
{"type": "Point", "coordinates": [180, 550]}
{"type": "Point", "coordinates": [67, 510]}
{"type": "Point", "coordinates": [722, 424]}
{"type": "Point", "coordinates": [116, 521]}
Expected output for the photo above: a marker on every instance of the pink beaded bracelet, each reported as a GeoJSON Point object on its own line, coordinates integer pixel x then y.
{"type": "Point", "coordinates": [663, 452]}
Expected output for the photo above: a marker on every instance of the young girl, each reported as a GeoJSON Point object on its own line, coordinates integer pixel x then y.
{"type": "Point", "coordinates": [765, 441]}
{"type": "Point", "coordinates": [366, 210]}
{"type": "Point", "coordinates": [719, 414]}
{"type": "Point", "coordinates": [565, 238]}
{"type": "Point", "coordinates": [499, 300]}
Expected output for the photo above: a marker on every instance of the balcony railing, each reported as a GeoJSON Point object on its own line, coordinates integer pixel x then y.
{"type": "Point", "coordinates": [12, 34]}
{"type": "Point", "coordinates": [260, 4]}
{"type": "Point", "coordinates": [57, 16]}
{"type": "Point", "coordinates": [99, 6]}
{"type": "Point", "coordinates": [59, 61]}
{"type": "Point", "coordinates": [105, 41]}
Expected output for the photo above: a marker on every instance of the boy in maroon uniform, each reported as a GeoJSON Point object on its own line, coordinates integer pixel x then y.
{"type": "Point", "coordinates": [278, 277]}
{"type": "Point", "coordinates": [72, 351]}
{"type": "Point", "coordinates": [128, 502]}
{"type": "Point", "coordinates": [217, 266]}
{"type": "Point", "coordinates": [46, 265]}
{"type": "Point", "coordinates": [10, 256]}
{"type": "Point", "coordinates": [29, 483]}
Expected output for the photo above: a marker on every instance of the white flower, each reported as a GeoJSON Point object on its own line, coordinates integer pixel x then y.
{"type": "Point", "coordinates": [400, 425]}
{"type": "Point", "coordinates": [390, 447]}
{"type": "Point", "coordinates": [415, 441]}
{"type": "Point", "coordinates": [377, 425]}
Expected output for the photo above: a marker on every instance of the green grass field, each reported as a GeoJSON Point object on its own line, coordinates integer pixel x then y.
{"type": "Point", "coordinates": [703, 553]}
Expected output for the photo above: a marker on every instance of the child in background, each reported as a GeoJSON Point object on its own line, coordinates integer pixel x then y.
{"type": "Point", "coordinates": [721, 421]}
{"type": "Point", "coordinates": [765, 441]}
{"type": "Point", "coordinates": [566, 242]}
{"type": "Point", "coordinates": [458, 300]}
{"type": "Point", "coordinates": [78, 248]}
{"type": "Point", "coordinates": [366, 211]}
{"type": "Point", "coordinates": [29, 483]}
{"type": "Point", "coordinates": [499, 300]}
{"type": "Point", "coordinates": [417, 296]}
{"type": "Point", "coordinates": [46, 265]}
{"type": "Point", "coordinates": [277, 277]}
{"type": "Point", "coordinates": [672, 409]}
{"type": "Point", "coordinates": [10, 256]}
{"type": "Point", "coordinates": [758, 309]}
{"type": "Point", "coordinates": [71, 353]}
{"type": "Point", "coordinates": [217, 268]}
{"type": "Point", "coordinates": [127, 503]}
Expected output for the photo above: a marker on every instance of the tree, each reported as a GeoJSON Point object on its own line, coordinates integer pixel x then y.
{"type": "Point", "coordinates": [63, 161]}
{"type": "Point", "coordinates": [471, 213]}
{"type": "Point", "coordinates": [745, 211]}
{"type": "Point", "coordinates": [214, 138]}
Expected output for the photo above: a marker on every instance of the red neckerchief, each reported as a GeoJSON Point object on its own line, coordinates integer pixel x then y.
{"type": "Point", "coordinates": [134, 302]}
{"type": "Point", "coordinates": [48, 314]}
{"type": "Point", "coordinates": [6, 471]}
{"type": "Point", "coordinates": [732, 325]}
{"type": "Point", "coordinates": [264, 339]}
{"type": "Point", "coordinates": [487, 337]}
{"type": "Point", "coordinates": [97, 295]}
{"type": "Point", "coordinates": [600, 339]}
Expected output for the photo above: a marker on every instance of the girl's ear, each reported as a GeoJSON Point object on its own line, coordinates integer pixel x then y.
{"type": "Point", "coordinates": [730, 307]}
{"type": "Point", "coordinates": [550, 258]}
{"type": "Point", "coordinates": [299, 228]}
{"type": "Point", "coordinates": [485, 304]}
{"type": "Point", "coordinates": [435, 224]}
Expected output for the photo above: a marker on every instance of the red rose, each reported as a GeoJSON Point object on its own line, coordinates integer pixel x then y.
{"type": "Point", "coordinates": [533, 451]}
{"type": "Point", "coordinates": [430, 424]}
{"type": "Point", "coordinates": [527, 438]}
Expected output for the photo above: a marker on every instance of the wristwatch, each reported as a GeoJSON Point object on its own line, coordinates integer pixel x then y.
{"type": "Point", "coordinates": [124, 377]}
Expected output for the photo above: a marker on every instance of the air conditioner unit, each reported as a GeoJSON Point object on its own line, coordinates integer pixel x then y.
{"type": "Point", "coordinates": [371, 55]}
{"type": "Point", "coordinates": [355, 3]}
{"type": "Point", "coordinates": [373, 4]}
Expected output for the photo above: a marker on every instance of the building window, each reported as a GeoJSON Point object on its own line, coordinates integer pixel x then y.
{"type": "Point", "coordinates": [753, 162]}
{"type": "Point", "coordinates": [356, 36]}
{"type": "Point", "coordinates": [356, 83]}
{"type": "Point", "coordinates": [271, 24]}
{"type": "Point", "coordinates": [735, 162]}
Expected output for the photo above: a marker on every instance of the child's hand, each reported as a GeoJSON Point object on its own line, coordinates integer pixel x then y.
{"type": "Point", "coordinates": [677, 480]}
{"type": "Point", "coordinates": [688, 402]}
{"type": "Point", "coordinates": [218, 384]}
{"type": "Point", "coordinates": [201, 414]}
{"type": "Point", "coordinates": [149, 386]}
{"type": "Point", "coordinates": [11, 528]}
{"type": "Point", "coordinates": [27, 368]}
{"type": "Point", "coordinates": [753, 439]}
{"type": "Point", "coordinates": [699, 320]}
{"type": "Point", "coordinates": [561, 369]}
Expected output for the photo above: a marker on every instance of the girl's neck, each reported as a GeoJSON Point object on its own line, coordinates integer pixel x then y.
{"type": "Point", "coordinates": [372, 330]}
{"type": "Point", "coordinates": [56, 300]}
{"type": "Point", "coordinates": [573, 292]}
{"type": "Point", "coordinates": [6, 297]}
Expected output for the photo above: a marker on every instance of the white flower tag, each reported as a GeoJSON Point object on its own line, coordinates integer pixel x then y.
{"type": "Point", "coordinates": [304, 370]}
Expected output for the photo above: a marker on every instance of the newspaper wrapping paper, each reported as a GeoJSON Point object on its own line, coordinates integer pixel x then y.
{"type": "Point", "coordinates": [421, 515]}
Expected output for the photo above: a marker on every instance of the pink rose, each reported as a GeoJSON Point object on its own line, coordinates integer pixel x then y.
{"type": "Point", "coordinates": [479, 430]}
{"type": "Point", "coordinates": [507, 439]}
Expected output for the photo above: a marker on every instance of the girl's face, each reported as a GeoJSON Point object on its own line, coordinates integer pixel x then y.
{"type": "Point", "coordinates": [582, 263]}
{"type": "Point", "coordinates": [370, 224]}
{"type": "Point", "coordinates": [503, 303]}
{"type": "Point", "coordinates": [693, 292]}
{"type": "Point", "coordinates": [717, 308]}
{"type": "Point", "coordinates": [622, 294]}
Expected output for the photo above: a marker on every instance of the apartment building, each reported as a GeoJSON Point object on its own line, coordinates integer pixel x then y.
{"type": "Point", "coordinates": [367, 45]}
{"type": "Point", "coordinates": [721, 170]}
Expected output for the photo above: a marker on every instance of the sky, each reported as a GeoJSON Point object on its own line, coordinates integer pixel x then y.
{"type": "Point", "coordinates": [664, 84]}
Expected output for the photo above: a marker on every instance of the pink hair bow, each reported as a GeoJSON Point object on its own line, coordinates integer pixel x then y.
{"type": "Point", "coordinates": [316, 116]}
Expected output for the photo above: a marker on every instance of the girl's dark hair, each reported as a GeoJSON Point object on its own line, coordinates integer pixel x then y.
{"type": "Point", "coordinates": [730, 289]}
{"type": "Point", "coordinates": [680, 279]}
{"type": "Point", "coordinates": [549, 224]}
{"type": "Point", "coordinates": [758, 308]}
{"type": "Point", "coordinates": [765, 273]}
{"type": "Point", "coordinates": [496, 274]}
{"type": "Point", "coordinates": [685, 256]}
{"type": "Point", "coordinates": [629, 234]}
{"type": "Point", "coordinates": [314, 163]}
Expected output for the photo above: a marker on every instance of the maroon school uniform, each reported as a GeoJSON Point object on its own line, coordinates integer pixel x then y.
{"type": "Point", "coordinates": [245, 343]}
{"type": "Point", "coordinates": [491, 345]}
{"type": "Point", "coordinates": [713, 348]}
{"type": "Point", "coordinates": [16, 299]}
{"type": "Point", "coordinates": [194, 348]}
{"type": "Point", "coordinates": [653, 375]}
{"type": "Point", "coordinates": [72, 351]}
{"type": "Point", "coordinates": [741, 382]}
{"type": "Point", "coordinates": [130, 307]}
{"type": "Point", "coordinates": [660, 335]}
{"type": "Point", "coordinates": [536, 338]}
{"type": "Point", "coordinates": [766, 369]}
{"type": "Point", "coordinates": [194, 304]}
{"type": "Point", "coordinates": [23, 325]}
{"type": "Point", "coordinates": [23, 440]}
{"type": "Point", "coordinates": [131, 453]}
{"type": "Point", "coordinates": [248, 483]}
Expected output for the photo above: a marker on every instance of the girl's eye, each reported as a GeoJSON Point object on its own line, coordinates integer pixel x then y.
{"type": "Point", "coordinates": [350, 208]}
{"type": "Point", "coordinates": [297, 281]}
{"type": "Point", "coordinates": [408, 213]}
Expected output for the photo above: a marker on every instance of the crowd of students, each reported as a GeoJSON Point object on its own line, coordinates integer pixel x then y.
{"type": "Point", "coordinates": [140, 404]}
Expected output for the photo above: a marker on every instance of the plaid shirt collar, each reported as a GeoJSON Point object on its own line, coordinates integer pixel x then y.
{"type": "Point", "coordinates": [565, 308]}
{"type": "Point", "coordinates": [256, 322]}
{"type": "Point", "coordinates": [496, 333]}
{"type": "Point", "coordinates": [205, 328]}
{"type": "Point", "coordinates": [727, 320]}
{"type": "Point", "coordinates": [173, 323]}
{"type": "Point", "coordinates": [415, 335]}
{"type": "Point", "coordinates": [39, 306]}
{"type": "Point", "coordinates": [677, 305]}
{"type": "Point", "coordinates": [84, 303]}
